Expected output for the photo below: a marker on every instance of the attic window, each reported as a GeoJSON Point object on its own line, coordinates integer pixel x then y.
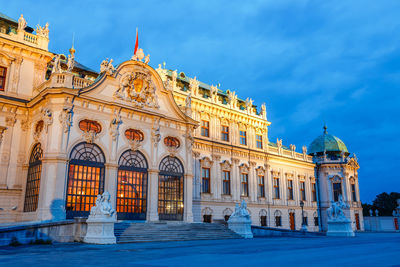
{"type": "Point", "coordinates": [90, 126]}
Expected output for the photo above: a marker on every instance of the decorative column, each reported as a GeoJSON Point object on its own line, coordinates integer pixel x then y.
{"type": "Point", "coordinates": [216, 177]}
{"type": "Point", "coordinates": [111, 181]}
{"type": "Point", "coordinates": [196, 178]}
{"type": "Point", "coordinates": [253, 190]}
{"type": "Point", "coordinates": [188, 198]}
{"type": "Point", "coordinates": [152, 195]}
{"type": "Point", "coordinates": [7, 139]}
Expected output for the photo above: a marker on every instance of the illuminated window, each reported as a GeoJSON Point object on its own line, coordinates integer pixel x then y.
{"type": "Point", "coordinates": [259, 142]}
{"type": "Point", "coordinates": [303, 190]}
{"type": "Point", "coordinates": [86, 174]}
{"type": "Point", "coordinates": [225, 133]}
{"type": "Point", "coordinates": [242, 138]}
{"type": "Point", "coordinates": [133, 134]}
{"type": "Point", "coordinates": [276, 188]}
{"type": "Point", "coordinates": [33, 179]}
{"type": "Point", "coordinates": [205, 127]}
{"type": "Point", "coordinates": [170, 189]}
{"type": "Point", "coordinates": [314, 191]}
{"type": "Point", "coordinates": [90, 126]}
{"type": "Point", "coordinates": [132, 186]}
{"type": "Point", "coordinates": [3, 73]}
{"type": "Point", "coordinates": [226, 183]}
{"type": "Point", "coordinates": [244, 178]}
{"type": "Point", "coordinates": [205, 173]}
{"type": "Point", "coordinates": [290, 189]}
{"type": "Point", "coordinates": [261, 186]}
{"type": "Point", "coordinates": [172, 142]}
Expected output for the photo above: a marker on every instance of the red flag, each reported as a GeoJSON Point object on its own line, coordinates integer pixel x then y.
{"type": "Point", "coordinates": [136, 42]}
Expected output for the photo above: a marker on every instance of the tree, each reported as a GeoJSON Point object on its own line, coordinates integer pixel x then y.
{"type": "Point", "coordinates": [385, 203]}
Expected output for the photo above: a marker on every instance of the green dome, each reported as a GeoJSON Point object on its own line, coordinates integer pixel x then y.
{"type": "Point", "coordinates": [327, 142]}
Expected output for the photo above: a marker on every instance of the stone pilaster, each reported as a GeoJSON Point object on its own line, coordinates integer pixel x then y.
{"type": "Point", "coordinates": [152, 196]}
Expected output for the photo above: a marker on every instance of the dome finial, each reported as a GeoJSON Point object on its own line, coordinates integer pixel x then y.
{"type": "Point", "coordinates": [325, 129]}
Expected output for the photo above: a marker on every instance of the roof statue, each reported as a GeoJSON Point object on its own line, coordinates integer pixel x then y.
{"type": "Point", "coordinates": [147, 59]}
{"type": "Point", "coordinates": [70, 63]}
{"type": "Point", "coordinates": [21, 23]}
{"type": "Point", "coordinates": [139, 55]}
{"type": "Point", "coordinates": [57, 64]}
{"type": "Point", "coordinates": [43, 31]}
{"type": "Point", "coordinates": [107, 67]}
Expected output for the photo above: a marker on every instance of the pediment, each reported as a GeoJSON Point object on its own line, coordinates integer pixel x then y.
{"type": "Point", "coordinates": [138, 86]}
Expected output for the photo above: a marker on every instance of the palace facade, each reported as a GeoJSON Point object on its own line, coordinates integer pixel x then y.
{"type": "Point", "coordinates": [166, 146]}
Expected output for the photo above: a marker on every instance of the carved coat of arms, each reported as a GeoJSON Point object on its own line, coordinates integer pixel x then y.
{"type": "Point", "coordinates": [138, 88]}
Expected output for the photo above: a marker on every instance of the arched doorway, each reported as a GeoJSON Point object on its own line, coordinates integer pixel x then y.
{"type": "Point", "coordinates": [170, 189]}
{"type": "Point", "coordinates": [85, 179]}
{"type": "Point", "coordinates": [132, 186]}
{"type": "Point", "coordinates": [33, 179]}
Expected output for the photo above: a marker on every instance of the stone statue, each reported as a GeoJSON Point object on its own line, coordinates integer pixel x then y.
{"type": "Point", "coordinates": [292, 147]}
{"type": "Point", "coordinates": [188, 101]}
{"type": "Point", "coordinates": [43, 31]}
{"type": "Point", "coordinates": [70, 63]}
{"type": "Point", "coordinates": [100, 224]}
{"type": "Point", "coordinates": [103, 206]}
{"type": "Point", "coordinates": [21, 23]}
{"type": "Point", "coordinates": [249, 104]}
{"type": "Point", "coordinates": [194, 85]}
{"type": "Point", "coordinates": [371, 213]}
{"type": "Point", "coordinates": [57, 64]}
{"type": "Point", "coordinates": [66, 119]}
{"type": "Point", "coordinates": [279, 143]}
{"type": "Point", "coordinates": [335, 212]}
{"type": "Point", "coordinates": [264, 111]}
{"type": "Point", "coordinates": [147, 59]}
{"type": "Point", "coordinates": [139, 55]}
{"type": "Point", "coordinates": [214, 94]}
{"type": "Point", "coordinates": [240, 220]}
{"type": "Point", "coordinates": [107, 67]}
{"type": "Point", "coordinates": [232, 99]}
{"type": "Point", "coordinates": [304, 150]}
{"type": "Point", "coordinates": [376, 213]}
{"type": "Point", "coordinates": [114, 126]}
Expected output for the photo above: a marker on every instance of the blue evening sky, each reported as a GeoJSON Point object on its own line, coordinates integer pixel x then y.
{"type": "Point", "coordinates": [311, 61]}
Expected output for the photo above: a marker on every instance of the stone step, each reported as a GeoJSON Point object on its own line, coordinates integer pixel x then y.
{"type": "Point", "coordinates": [179, 231]}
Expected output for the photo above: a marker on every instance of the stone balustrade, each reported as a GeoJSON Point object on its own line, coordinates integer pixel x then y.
{"type": "Point", "coordinates": [27, 38]}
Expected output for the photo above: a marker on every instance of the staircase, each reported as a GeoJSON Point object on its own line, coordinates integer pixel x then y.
{"type": "Point", "coordinates": [126, 232]}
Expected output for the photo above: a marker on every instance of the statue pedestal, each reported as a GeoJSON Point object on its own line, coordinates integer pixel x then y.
{"type": "Point", "coordinates": [100, 230]}
{"type": "Point", "coordinates": [340, 228]}
{"type": "Point", "coordinates": [240, 225]}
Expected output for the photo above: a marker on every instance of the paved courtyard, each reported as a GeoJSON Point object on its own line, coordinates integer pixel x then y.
{"type": "Point", "coordinates": [363, 250]}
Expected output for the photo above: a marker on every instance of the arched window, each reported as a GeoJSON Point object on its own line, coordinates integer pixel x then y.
{"type": "Point", "coordinates": [85, 179]}
{"type": "Point", "coordinates": [132, 186]}
{"type": "Point", "coordinates": [263, 217]}
{"type": "Point", "coordinates": [278, 218]}
{"type": "Point", "coordinates": [170, 189]}
{"type": "Point", "coordinates": [33, 179]}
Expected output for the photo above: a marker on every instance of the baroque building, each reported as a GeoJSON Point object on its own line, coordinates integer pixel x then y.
{"type": "Point", "coordinates": [166, 146]}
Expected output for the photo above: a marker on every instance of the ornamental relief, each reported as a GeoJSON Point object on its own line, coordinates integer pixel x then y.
{"type": "Point", "coordinates": [137, 88]}
{"type": "Point", "coordinates": [244, 168]}
{"type": "Point", "coordinates": [226, 166]}
{"type": "Point", "coordinates": [206, 162]}
{"type": "Point", "coordinates": [260, 171]}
